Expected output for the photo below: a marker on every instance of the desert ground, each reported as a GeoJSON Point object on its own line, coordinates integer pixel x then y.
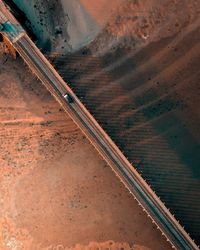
{"type": "Point", "coordinates": [140, 80]}
{"type": "Point", "coordinates": [137, 71]}
{"type": "Point", "coordinates": [55, 190]}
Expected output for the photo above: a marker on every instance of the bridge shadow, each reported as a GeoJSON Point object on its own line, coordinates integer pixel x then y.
{"type": "Point", "coordinates": [146, 100]}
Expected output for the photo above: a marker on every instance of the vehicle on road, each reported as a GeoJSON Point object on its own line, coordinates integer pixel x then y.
{"type": "Point", "coordinates": [68, 98]}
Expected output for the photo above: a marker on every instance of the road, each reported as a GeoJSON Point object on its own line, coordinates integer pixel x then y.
{"type": "Point", "coordinates": [106, 147]}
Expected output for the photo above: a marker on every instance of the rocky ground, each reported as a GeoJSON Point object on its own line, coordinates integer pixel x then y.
{"type": "Point", "coordinates": [140, 80]}
{"type": "Point", "coordinates": [65, 26]}
{"type": "Point", "coordinates": [55, 190]}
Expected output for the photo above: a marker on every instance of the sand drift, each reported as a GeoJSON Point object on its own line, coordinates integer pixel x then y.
{"type": "Point", "coordinates": [140, 83]}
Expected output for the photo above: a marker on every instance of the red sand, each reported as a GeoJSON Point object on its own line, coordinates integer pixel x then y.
{"type": "Point", "coordinates": [55, 190]}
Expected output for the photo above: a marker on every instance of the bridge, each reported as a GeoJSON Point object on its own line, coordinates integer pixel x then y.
{"type": "Point", "coordinates": [42, 68]}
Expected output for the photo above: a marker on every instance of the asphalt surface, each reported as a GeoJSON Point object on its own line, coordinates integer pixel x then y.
{"type": "Point", "coordinates": [150, 202]}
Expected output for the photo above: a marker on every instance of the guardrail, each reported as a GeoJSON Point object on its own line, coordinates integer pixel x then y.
{"type": "Point", "coordinates": [102, 142]}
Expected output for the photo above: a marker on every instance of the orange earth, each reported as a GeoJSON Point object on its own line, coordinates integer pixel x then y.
{"type": "Point", "coordinates": [55, 190]}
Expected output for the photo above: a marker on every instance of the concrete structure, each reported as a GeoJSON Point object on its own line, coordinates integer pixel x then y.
{"type": "Point", "coordinates": [111, 153]}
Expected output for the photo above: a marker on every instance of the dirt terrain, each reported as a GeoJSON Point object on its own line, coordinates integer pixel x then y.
{"type": "Point", "coordinates": [65, 26]}
{"type": "Point", "coordinates": [55, 190]}
{"type": "Point", "coordinates": [140, 80]}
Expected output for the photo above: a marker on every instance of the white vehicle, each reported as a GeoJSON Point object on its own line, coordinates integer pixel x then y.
{"type": "Point", "coordinates": [68, 98]}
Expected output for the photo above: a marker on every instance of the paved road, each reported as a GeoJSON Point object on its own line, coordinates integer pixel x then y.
{"type": "Point", "coordinates": [128, 175]}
